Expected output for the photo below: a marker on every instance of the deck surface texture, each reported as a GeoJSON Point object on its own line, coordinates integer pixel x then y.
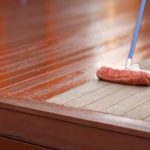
{"type": "Point", "coordinates": [49, 53]}
{"type": "Point", "coordinates": [48, 47]}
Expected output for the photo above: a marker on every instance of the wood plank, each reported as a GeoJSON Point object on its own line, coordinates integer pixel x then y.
{"type": "Point", "coordinates": [94, 96]}
{"type": "Point", "coordinates": [130, 102]}
{"type": "Point", "coordinates": [140, 112]}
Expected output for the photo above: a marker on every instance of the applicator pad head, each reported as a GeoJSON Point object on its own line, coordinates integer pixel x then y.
{"type": "Point", "coordinates": [131, 77]}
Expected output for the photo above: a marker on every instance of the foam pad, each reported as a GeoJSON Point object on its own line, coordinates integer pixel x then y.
{"type": "Point", "coordinates": [124, 76]}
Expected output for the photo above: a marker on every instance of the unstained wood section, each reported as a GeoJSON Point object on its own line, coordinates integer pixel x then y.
{"type": "Point", "coordinates": [121, 100]}
{"type": "Point", "coordinates": [48, 47]}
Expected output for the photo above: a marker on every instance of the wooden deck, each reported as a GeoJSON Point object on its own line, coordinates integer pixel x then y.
{"type": "Point", "coordinates": [50, 97]}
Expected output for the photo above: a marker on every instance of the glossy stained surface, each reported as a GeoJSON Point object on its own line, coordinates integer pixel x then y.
{"type": "Point", "coordinates": [48, 47]}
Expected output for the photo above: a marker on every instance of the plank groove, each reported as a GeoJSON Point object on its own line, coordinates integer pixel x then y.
{"type": "Point", "coordinates": [130, 103]}
{"type": "Point", "coordinates": [113, 99]}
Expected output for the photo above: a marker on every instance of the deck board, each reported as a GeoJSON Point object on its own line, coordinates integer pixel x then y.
{"type": "Point", "coordinates": [130, 103]}
{"type": "Point", "coordinates": [140, 112]}
{"type": "Point", "coordinates": [113, 99]}
{"type": "Point", "coordinates": [81, 90]}
{"type": "Point", "coordinates": [94, 96]}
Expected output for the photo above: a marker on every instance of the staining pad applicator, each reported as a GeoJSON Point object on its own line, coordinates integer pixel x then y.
{"type": "Point", "coordinates": [128, 75]}
{"type": "Point", "coordinates": [133, 77]}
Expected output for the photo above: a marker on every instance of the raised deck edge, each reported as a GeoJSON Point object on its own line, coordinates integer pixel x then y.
{"type": "Point", "coordinates": [60, 127]}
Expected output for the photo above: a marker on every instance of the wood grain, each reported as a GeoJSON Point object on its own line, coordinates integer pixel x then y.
{"type": "Point", "coordinates": [48, 47]}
